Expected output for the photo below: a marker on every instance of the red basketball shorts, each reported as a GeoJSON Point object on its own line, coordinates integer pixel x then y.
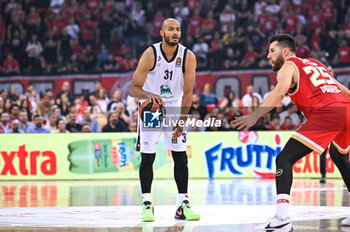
{"type": "Point", "coordinates": [325, 125]}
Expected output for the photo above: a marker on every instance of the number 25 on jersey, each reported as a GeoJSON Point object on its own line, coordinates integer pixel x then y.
{"type": "Point", "coordinates": [319, 76]}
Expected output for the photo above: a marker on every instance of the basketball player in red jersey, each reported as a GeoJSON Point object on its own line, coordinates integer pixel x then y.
{"type": "Point", "coordinates": [326, 105]}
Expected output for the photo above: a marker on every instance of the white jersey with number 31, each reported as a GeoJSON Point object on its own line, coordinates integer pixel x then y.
{"type": "Point", "coordinates": [166, 78]}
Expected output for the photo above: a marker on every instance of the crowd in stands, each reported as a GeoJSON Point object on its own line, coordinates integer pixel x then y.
{"type": "Point", "coordinates": [75, 36]}
{"type": "Point", "coordinates": [100, 112]}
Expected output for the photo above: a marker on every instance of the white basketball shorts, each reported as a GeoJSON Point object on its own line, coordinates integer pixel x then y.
{"type": "Point", "coordinates": [149, 131]}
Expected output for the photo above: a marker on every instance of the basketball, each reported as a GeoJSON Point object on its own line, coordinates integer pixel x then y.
{"type": "Point", "coordinates": [149, 105]}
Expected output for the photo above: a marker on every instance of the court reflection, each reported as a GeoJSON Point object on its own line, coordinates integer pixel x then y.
{"type": "Point", "coordinates": [201, 192]}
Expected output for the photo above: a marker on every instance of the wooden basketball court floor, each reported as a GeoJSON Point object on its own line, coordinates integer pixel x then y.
{"type": "Point", "coordinates": [224, 205]}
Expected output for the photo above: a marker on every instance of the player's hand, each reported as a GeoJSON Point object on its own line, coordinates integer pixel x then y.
{"type": "Point", "coordinates": [244, 122]}
{"type": "Point", "coordinates": [156, 98]}
{"type": "Point", "coordinates": [178, 129]}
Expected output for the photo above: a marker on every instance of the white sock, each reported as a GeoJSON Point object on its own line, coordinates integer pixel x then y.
{"type": "Point", "coordinates": [282, 206]}
{"type": "Point", "coordinates": [182, 197]}
{"type": "Point", "coordinates": [146, 197]}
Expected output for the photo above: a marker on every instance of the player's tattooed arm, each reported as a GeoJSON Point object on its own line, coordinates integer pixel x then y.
{"type": "Point", "coordinates": [145, 64]}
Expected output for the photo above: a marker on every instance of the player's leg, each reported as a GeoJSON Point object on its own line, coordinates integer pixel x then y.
{"type": "Point", "coordinates": [323, 166]}
{"type": "Point", "coordinates": [146, 178]}
{"type": "Point", "coordinates": [181, 174]}
{"type": "Point", "coordinates": [178, 151]}
{"type": "Point", "coordinates": [147, 142]}
{"type": "Point", "coordinates": [184, 210]}
{"type": "Point", "coordinates": [292, 152]}
{"type": "Point", "coordinates": [341, 160]}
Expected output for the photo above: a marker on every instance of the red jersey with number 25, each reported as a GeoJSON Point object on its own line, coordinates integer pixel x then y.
{"type": "Point", "coordinates": [316, 87]}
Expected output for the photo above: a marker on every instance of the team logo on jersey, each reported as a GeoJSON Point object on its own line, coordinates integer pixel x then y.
{"type": "Point", "coordinates": [178, 62]}
{"type": "Point", "coordinates": [165, 91]}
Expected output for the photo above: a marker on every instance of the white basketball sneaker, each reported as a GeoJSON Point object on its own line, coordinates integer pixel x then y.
{"type": "Point", "coordinates": [345, 222]}
{"type": "Point", "coordinates": [277, 225]}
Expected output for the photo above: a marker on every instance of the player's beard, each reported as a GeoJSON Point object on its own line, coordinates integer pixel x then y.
{"type": "Point", "coordinates": [278, 63]}
{"type": "Point", "coordinates": [167, 41]}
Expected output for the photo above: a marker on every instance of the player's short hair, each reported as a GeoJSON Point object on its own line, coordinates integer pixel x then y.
{"type": "Point", "coordinates": [285, 41]}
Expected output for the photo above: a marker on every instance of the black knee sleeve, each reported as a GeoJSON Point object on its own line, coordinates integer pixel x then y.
{"type": "Point", "coordinates": [292, 152]}
{"type": "Point", "coordinates": [180, 170]}
{"type": "Point", "coordinates": [342, 163]}
{"type": "Point", "coordinates": [146, 171]}
{"type": "Point", "coordinates": [323, 163]}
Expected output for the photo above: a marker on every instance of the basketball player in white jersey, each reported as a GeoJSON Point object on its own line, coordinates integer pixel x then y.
{"type": "Point", "coordinates": [166, 74]}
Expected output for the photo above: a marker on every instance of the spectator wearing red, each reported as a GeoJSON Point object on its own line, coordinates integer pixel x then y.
{"type": "Point", "coordinates": [81, 13]}
{"type": "Point", "coordinates": [195, 22]}
{"type": "Point", "coordinates": [33, 20]}
{"type": "Point", "coordinates": [208, 26]}
{"type": "Point", "coordinates": [344, 52]}
{"type": "Point", "coordinates": [65, 13]}
{"type": "Point", "coordinates": [249, 58]}
{"type": "Point", "coordinates": [73, 7]}
{"type": "Point", "coordinates": [56, 25]}
{"type": "Point", "coordinates": [270, 24]}
{"type": "Point", "coordinates": [291, 21]}
{"type": "Point", "coordinates": [108, 7]}
{"type": "Point", "coordinates": [329, 14]}
{"type": "Point", "coordinates": [262, 18]}
{"type": "Point", "coordinates": [288, 124]}
{"type": "Point", "coordinates": [10, 65]}
{"type": "Point", "coordinates": [316, 43]}
{"type": "Point", "coordinates": [18, 14]}
{"type": "Point", "coordinates": [88, 31]}
{"type": "Point", "coordinates": [275, 123]}
{"type": "Point", "coordinates": [193, 4]}
{"type": "Point", "coordinates": [315, 18]}
{"type": "Point", "coordinates": [302, 6]}
{"type": "Point", "coordinates": [129, 62]}
{"type": "Point", "coordinates": [303, 50]}
{"type": "Point", "coordinates": [93, 6]}
{"type": "Point", "coordinates": [157, 25]}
